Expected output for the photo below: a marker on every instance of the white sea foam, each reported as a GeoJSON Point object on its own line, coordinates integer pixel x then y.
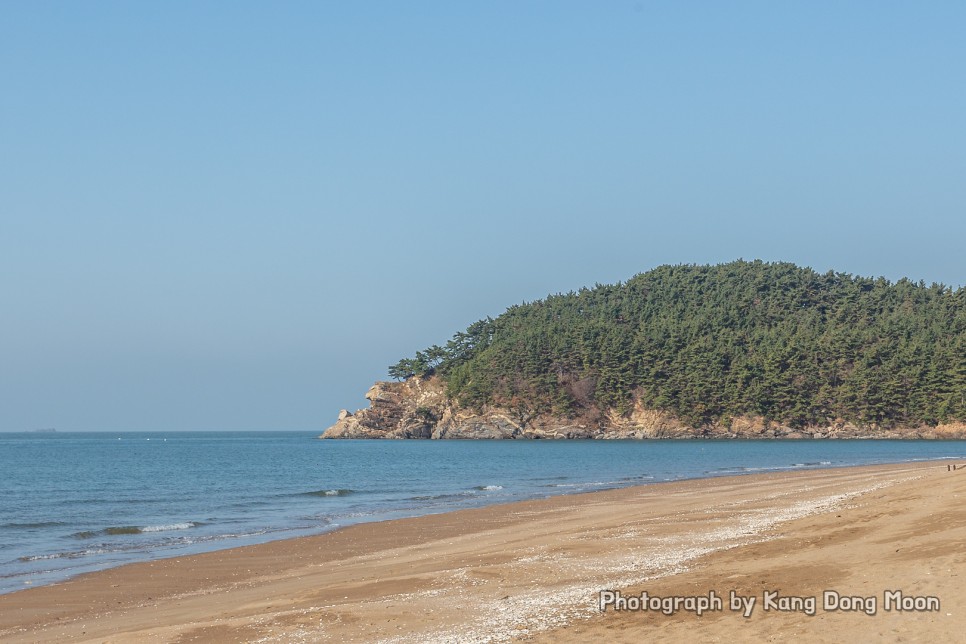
{"type": "Point", "coordinates": [74, 554]}
{"type": "Point", "coordinates": [170, 526]}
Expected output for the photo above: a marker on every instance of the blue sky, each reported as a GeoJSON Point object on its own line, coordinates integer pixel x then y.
{"type": "Point", "coordinates": [236, 215]}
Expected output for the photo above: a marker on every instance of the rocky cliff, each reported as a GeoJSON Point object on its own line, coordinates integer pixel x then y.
{"type": "Point", "coordinates": [419, 408]}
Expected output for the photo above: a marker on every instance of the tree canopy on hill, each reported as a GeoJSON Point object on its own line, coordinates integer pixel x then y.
{"type": "Point", "coordinates": [708, 343]}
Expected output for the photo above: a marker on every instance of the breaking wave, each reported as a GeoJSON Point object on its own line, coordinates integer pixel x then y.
{"type": "Point", "coordinates": [133, 529]}
{"type": "Point", "coordinates": [340, 492]}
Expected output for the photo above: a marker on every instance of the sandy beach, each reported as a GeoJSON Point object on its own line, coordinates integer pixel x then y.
{"type": "Point", "coordinates": [885, 542]}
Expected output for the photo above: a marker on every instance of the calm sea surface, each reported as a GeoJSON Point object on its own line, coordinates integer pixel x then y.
{"type": "Point", "coordinates": [76, 502]}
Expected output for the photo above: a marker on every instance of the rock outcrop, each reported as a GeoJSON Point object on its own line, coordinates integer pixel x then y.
{"type": "Point", "coordinates": [419, 408]}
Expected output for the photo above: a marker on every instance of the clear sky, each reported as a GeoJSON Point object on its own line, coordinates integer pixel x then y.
{"type": "Point", "coordinates": [235, 215]}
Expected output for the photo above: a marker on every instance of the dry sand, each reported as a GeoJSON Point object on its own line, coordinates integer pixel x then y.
{"type": "Point", "coordinates": [534, 570]}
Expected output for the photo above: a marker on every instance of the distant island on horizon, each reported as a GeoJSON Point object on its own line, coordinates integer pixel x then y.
{"type": "Point", "coordinates": [746, 349]}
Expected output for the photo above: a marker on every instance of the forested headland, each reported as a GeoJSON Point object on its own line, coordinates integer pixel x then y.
{"type": "Point", "coordinates": [708, 344]}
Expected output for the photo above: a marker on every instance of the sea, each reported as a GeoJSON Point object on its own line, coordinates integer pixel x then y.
{"type": "Point", "coordinates": [72, 503]}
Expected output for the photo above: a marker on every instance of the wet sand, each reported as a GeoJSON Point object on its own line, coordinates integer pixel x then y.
{"type": "Point", "coordinates": [534, 570]}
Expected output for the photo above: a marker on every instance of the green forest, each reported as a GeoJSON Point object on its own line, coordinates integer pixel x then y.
{"type": "Point", "coordinates": [710, 343]}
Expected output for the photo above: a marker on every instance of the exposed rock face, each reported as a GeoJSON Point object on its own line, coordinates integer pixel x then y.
{"type": "Point", "coordinates": [419, 408]}
{"type": "Point", "coordinates": [395, 411]}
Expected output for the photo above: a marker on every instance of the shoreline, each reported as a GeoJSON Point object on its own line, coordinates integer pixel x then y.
{"type": "Point", "coordinates": [482, 574]}
{"type": "Point", "coordinates": [226, 544]}
{"type": "Point", "coordinates": [178, 510]}
{"type": "Point", "coordinates": [421, 407]}
{"type": "Point", "coordinates": [957, 434]}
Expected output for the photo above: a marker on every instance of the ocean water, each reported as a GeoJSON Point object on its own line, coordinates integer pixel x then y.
{"type": "Point", "coordinates": [76, 502]}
